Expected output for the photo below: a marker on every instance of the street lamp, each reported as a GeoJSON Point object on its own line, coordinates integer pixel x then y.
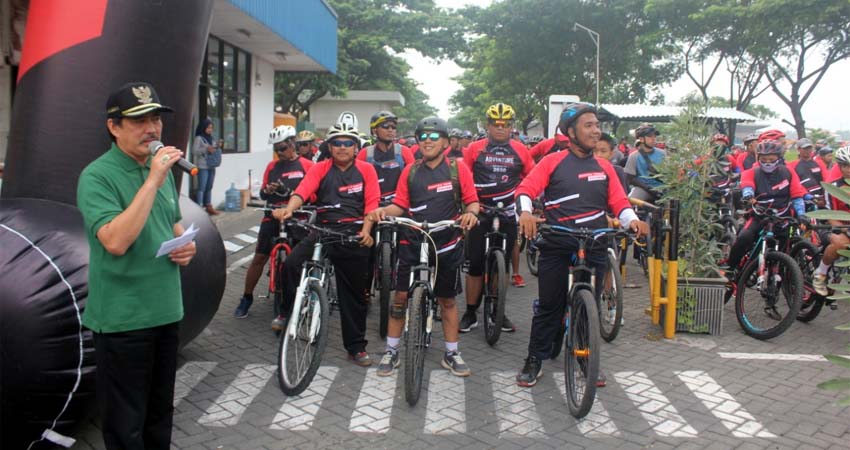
{"type": "Point", "coordinates": [595, 37]}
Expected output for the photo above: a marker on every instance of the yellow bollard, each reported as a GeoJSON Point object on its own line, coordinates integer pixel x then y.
{"type": "Point", "coordinates": [670, 311]}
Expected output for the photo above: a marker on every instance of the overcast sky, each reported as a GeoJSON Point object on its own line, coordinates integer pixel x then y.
{"type": "Point", "coordinates": [828, 107]}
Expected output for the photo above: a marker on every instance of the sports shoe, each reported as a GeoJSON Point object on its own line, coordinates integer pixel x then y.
{"type": "Point", "coordinates": [601, 379]}
{"type": "Point", "coordinates": [468, 321]}
{"type": "Point", "coordinates": [517, 280]}
{"type": "Point", "coordinates": [530, 373]}
{"type": "Point", "coordinates": [507, 325]}
{"type": "Point", "coordinates": [279, 322]}
{"type": "Point", "coordinates": [362, 359]}
{"type": "Point", "coordinates": [389, 361]}
{"type": "Point", "coordinates": [819, 283]}
{"type": "Point", "coordinates": [454, 363]}
{"type": "Point", "coordinates": [242, 310]}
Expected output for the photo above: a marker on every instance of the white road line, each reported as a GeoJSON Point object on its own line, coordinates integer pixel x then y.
{"type": "Point", "coordinates": [722, 405]}
{"type": "Point", "coordinates": [298, 412]}
{"type": "Point", "coordinates": [189, 376]}
{"type": "Point", "coordinates": [597, 422]}
{"type": "Point", "coordinates": [246, 238]}
{"type": "Point", "coordinates": [374, 404]}
{"type": "Point", "coordinates": [239, 263]}
{"type": "Point", "coordinates": [228, 408]}
{"type": "Point", "coordinates": [255, 228]}
{"type": "Point", "coordinates": [654, 406]}
{"type": "Point", "coordinates": [446, 404]}
{"type": "Point", "coordinates": [515, 407]}
{"type": "Point", "coordinates": [773, 356]}
{"type": "Point", "coordinates": [231, 247]}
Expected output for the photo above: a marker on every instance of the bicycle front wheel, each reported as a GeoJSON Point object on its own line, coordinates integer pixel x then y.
{"type": "Point", "coordinates": [766, 304]}
{"type": "Point", "coordinates": [299, 356]}
{"type": "Point", "coordinates": [611, 300]}
{"type": "Point", "coordinates": [807, 257]}
{"type": "Point", "coordinates": [415, 345]}
{"type": "Point", "coordinates": [581, 356]}
{"type": "Point", "coordinates": [495, 290]}
{"type": "Point", "coordinates": [385, 272]}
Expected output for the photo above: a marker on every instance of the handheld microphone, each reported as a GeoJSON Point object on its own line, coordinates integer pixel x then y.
{"type": "Point", "coordinates": [184, 165]}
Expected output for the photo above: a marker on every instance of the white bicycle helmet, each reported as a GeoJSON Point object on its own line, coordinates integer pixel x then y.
{"type": "Point", "coordinates": [842, 155]}
{"type": "Point", "coordinates": [342, 130]}
{"type": "Point", "coordinates": [281, 133]}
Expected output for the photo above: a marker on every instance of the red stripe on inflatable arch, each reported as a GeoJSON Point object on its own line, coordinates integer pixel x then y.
{"type": "Point", "coordinates": [53, 26]}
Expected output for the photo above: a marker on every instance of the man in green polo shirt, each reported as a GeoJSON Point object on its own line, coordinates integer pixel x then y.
{"type": "Point", "coordinates": [130, 206]}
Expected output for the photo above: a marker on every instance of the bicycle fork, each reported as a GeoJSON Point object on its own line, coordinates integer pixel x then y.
{"type": "Point", "coordinates": [315, 322]}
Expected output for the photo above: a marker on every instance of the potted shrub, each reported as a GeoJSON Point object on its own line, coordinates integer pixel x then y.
{"type": "Point", "coordinates": [687, 174]}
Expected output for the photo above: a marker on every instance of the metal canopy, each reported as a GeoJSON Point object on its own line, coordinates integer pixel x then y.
{"type": "Point", "coordinates": [664, 113]}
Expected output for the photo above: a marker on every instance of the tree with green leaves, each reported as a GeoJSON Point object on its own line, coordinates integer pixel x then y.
{"type": "Point", "coordinates": [371, 34]}
{"type": "Point", "coordinates": [525, 51]}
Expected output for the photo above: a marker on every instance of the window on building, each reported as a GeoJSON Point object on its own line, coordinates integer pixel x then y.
{"type": "Point", "coordinates": [225, 93]}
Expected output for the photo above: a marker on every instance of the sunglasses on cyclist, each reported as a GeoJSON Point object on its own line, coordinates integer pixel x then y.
{"type": "Point", "coordinates": [303, 144]}
{"type": "Point", "coordinates": [430, 136]}
{"type": "Point", "coordinates": [500, 123]}
{"type": "Point", "coordinates": [282, 147]}
{"type": "Point", "coordinates": [338, 143]}
{"type": "Point", "coordinates": [389, 126]}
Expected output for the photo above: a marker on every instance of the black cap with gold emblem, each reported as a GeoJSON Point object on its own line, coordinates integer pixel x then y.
{"type": "Point", "coordinates": [134, 99]}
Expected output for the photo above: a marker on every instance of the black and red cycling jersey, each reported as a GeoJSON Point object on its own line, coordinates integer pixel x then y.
{"type": "Point", "coordinates": [429, 196]}
{"type": "Point", "coordinates": [832, 201]}
{"type": "Point", "coordinates": [288, 173]}
{"type": "Point", "coordinates": [775, 189]}
{"type": "Point", "coordinates": [343, 197]}
{"type": "Point", "coordinates": [746, 161]}
{"type": "Point", "coordinates": [497, 169]}
{"type": "Point", "coordinates": [545, 147]}
{"type": "Point", "coordinates": [811, 173]}
{"type": "Point", "coordinates": [456, 154]}
{"type": "Point", "coordinates": [387, 166]}
{"type": "Point", "coordinates": [576, 191]}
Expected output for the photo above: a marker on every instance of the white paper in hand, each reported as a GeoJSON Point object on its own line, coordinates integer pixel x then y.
{"type": "Point", "coordinates": [173, 244]}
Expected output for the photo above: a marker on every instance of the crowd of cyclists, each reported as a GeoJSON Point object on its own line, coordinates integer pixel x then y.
{"type": "Point", "coordinates": [580, 177]}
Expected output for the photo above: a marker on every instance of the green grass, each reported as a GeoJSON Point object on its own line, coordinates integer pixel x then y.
{"type": "Point", "coordinates": [791, 155]}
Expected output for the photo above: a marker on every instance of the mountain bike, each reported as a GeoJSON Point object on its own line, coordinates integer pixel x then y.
{"type": "Point", "coordinates": [580, 338]}
{"type": "Point", "coordinates": [769, 287]}
{"type": "Point", "coordinates": [421, 305]}
{"type": "Point", "coordinates": [808, 257]}
{"type": "Point", "coordinates": [495, 272]}
{"type": "Point", "coordinates": [303, 342]}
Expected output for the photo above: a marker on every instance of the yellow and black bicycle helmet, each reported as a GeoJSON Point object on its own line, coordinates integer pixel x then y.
{"type": "Point", "coordinates": [500, 111]}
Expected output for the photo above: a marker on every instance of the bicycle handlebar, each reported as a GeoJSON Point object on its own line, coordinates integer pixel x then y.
{"type": "Point", "coordinates": [643, 204]}
{"type": "Point", "coordinates": [584, 232]}
{"type": "Point", "coordinates": [428, 227]}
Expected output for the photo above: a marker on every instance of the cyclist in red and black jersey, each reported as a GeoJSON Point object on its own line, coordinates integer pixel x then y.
{"type": "Point", "coordinates": [279, 180]}
{"type": "Point", "coordinates": [430, 196]}
{"type": "Point", "coordinates": [305, 143]}
{"type": "Point", "coordinates": [836, 241]}
{"type": "Point", "coordinates": [388, 157]}
{"type": "Point", "coordinates": [747, 158]}
{"type": "Point", "coordinates": [811, 171]}
{"type": "Point", "coordinates": [455, 150]}
{"type": "Point", "coordinates": [498, 164]}
{"type": "Point", "coordinates": [346, 190]}
{"type": "Point", "coordinates": [769, 183]}
{"type": "Point", "coordinates": [577, 191]}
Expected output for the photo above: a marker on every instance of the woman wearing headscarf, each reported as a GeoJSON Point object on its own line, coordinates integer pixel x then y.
{"type": "Point", "coordinates": [207, 157]}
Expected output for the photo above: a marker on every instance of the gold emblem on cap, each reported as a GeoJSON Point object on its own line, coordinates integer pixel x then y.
{"type": "Point", "coordinates": [143, 93]}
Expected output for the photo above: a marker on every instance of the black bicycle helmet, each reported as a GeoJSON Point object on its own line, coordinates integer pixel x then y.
{"type": "Point", "coordinates": [432, 124]}
{"type": "Point", "coordinates": [381, 117]}
{"type": "Point", "coordinates": [571, 113]}
{"type": "Point", "coordinates": [455, 132]}
{"type": "Point", "coordinates": [770, 147]}
{"type": "Point", "coordinates": [646, 129]}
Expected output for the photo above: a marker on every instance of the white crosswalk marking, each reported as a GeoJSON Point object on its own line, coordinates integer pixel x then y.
{"type": "Point", "coordinates": [374, 404]}
{"type": "Point", "coordinates": [189, 376]}
{"type": "Point", "coordinates": [298, 412]}
{"type": "Point", "coordinates": [231, 247]}
{"type": "Point", "coordinates": [653, 405]}
{"type": "Point", "coordinates": [597, 421]}
{"type": "Point", "coordinates": [228, 408]}
{"type": "Point", "coordinates": [446, 404]}
{"type": "Point", "coordinates": [238, 264]}
{"type": "Point", "coordinates": [246, 238]}
{"type": "Point", "coordinates": [255, 228]}
{"type": "Point", "coordinates": [733, 416]}
{"type": "Point", "coordinates": [515, 407]}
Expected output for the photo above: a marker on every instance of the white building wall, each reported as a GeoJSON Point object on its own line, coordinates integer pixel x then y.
{"type": "Point", "coordinates": [324, 113]}
{"type": "Point", "coordinates": [235, 166]}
